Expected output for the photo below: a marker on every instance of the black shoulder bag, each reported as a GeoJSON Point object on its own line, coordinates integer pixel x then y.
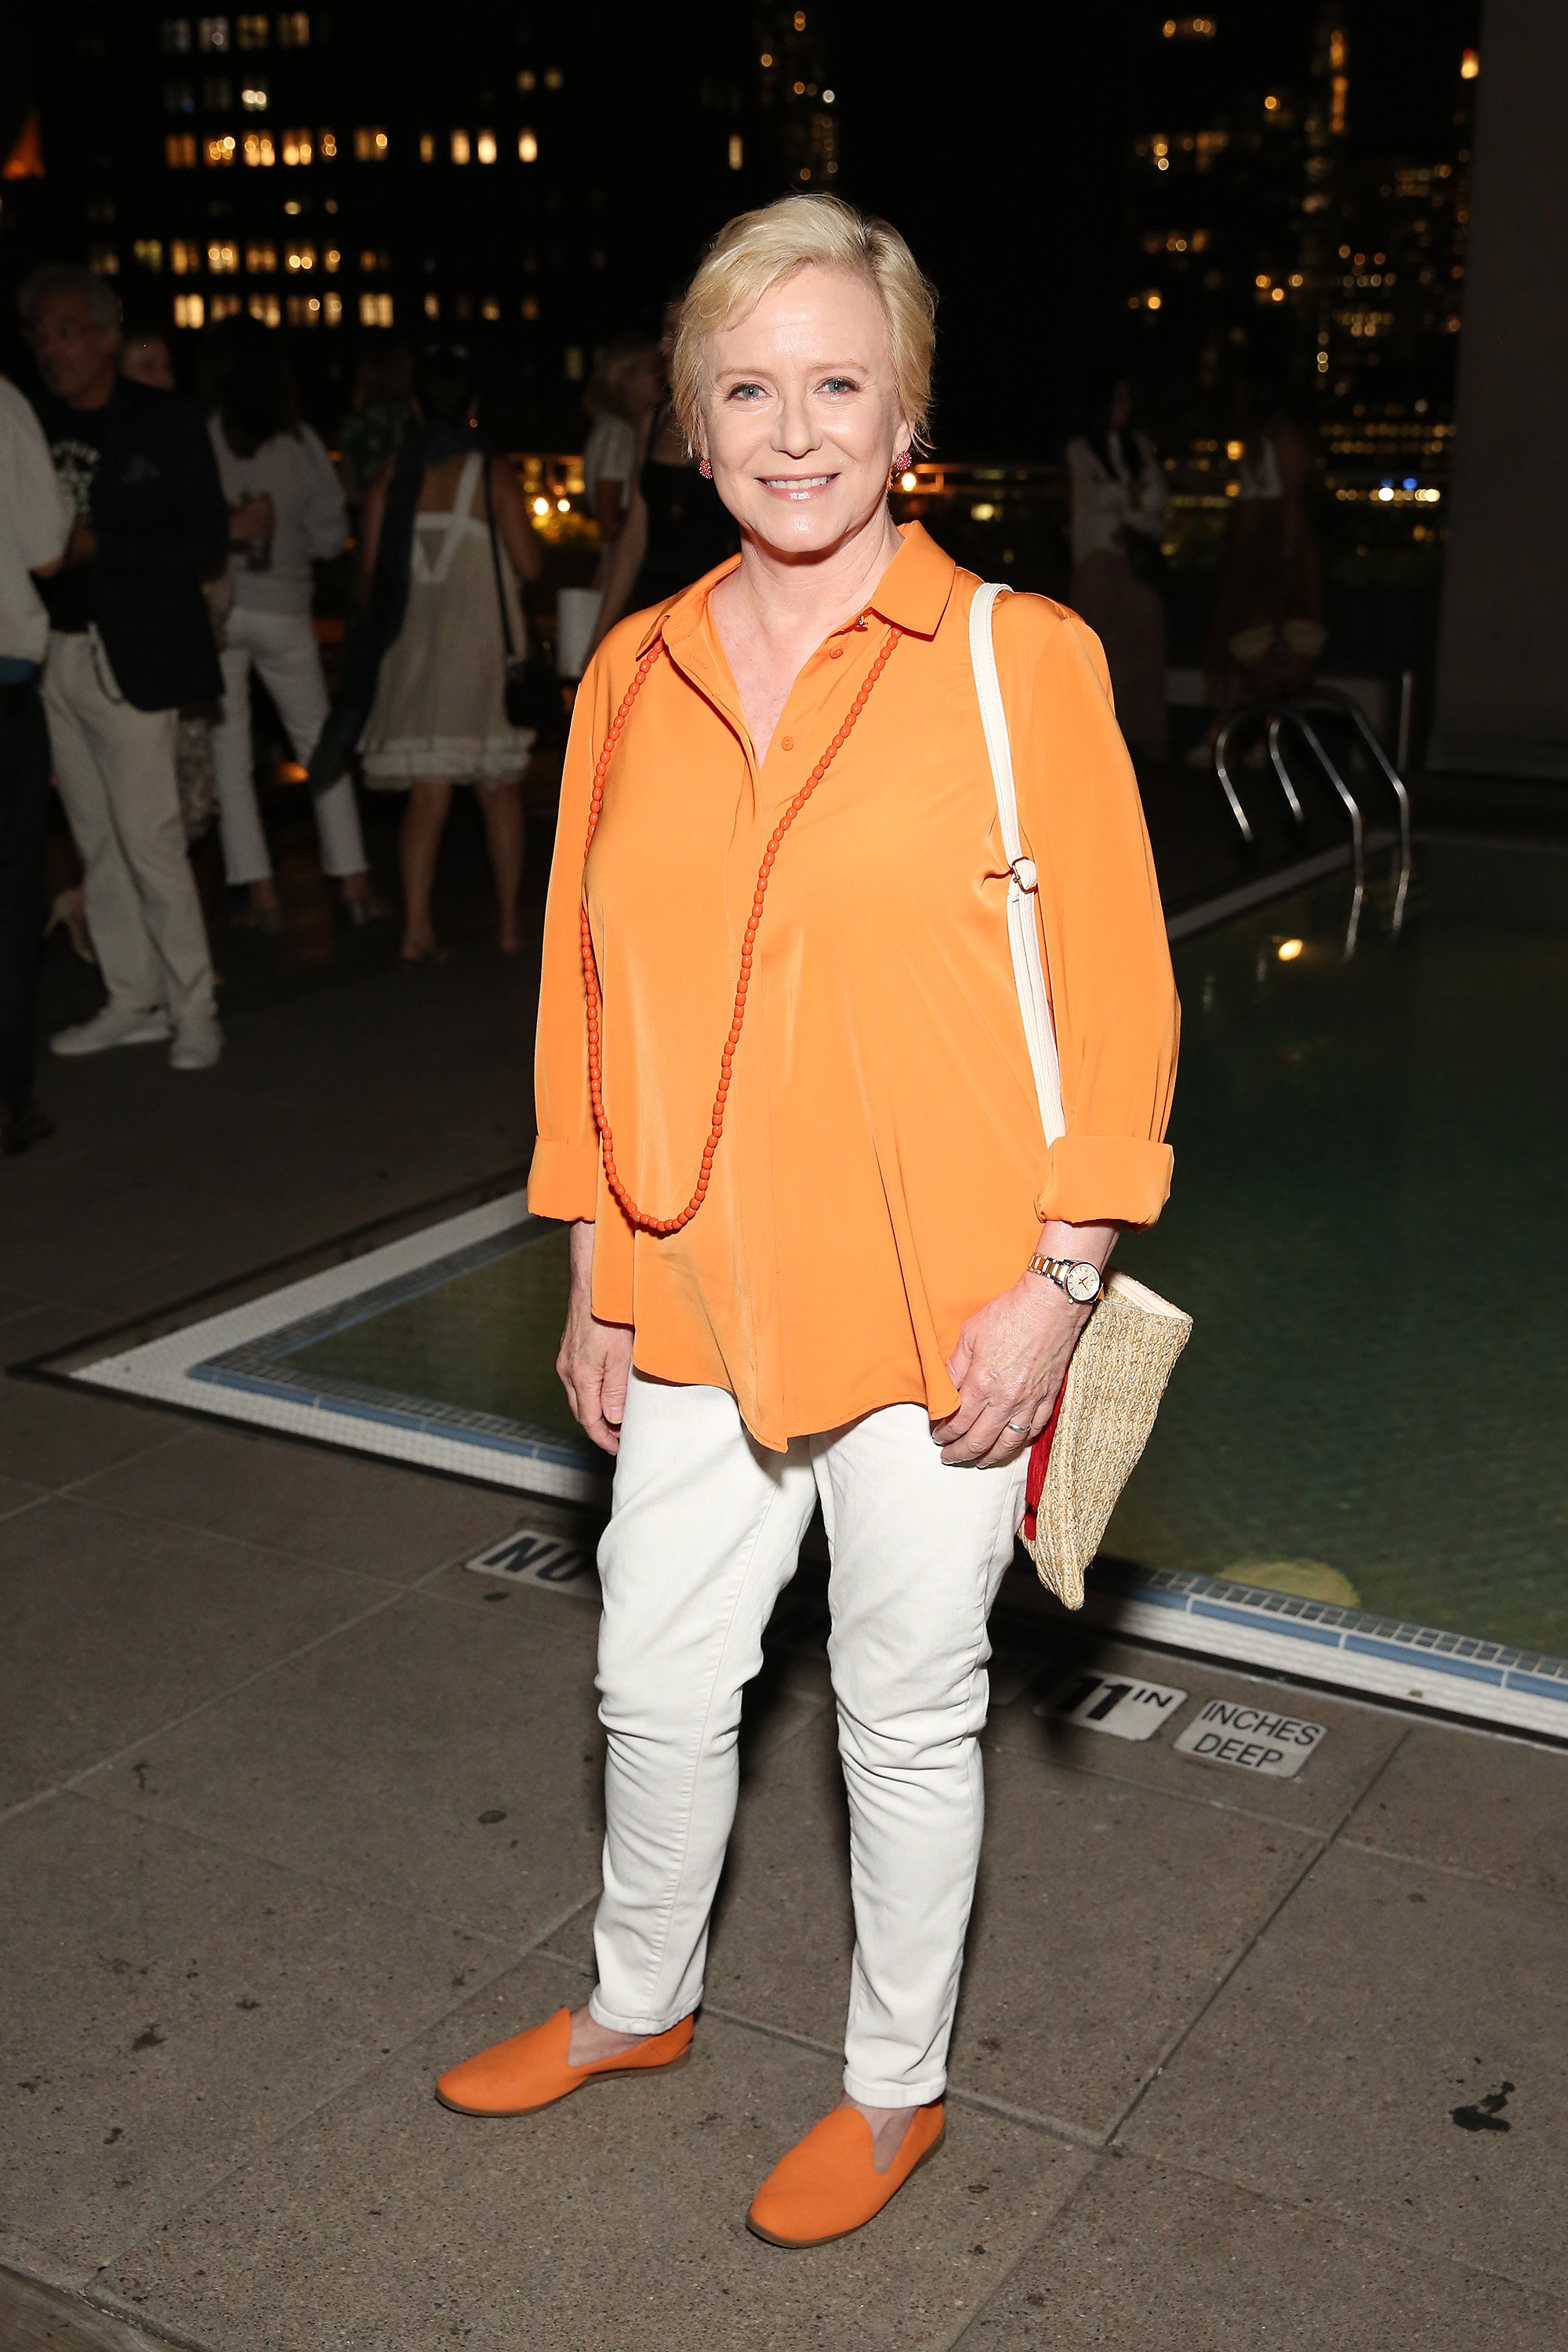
{"type": "Point", "coordinates": [532, 689]}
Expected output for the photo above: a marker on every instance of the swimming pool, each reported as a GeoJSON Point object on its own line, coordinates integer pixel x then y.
{"type": "Point", "coordinates": [1357, 1473]}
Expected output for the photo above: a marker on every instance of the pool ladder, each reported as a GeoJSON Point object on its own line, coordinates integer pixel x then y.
{"type": "Point", "coordinates": [1297, 715]}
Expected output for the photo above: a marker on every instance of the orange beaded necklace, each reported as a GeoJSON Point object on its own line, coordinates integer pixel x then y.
{"type": "Point", "coordinates": [638, 1217]}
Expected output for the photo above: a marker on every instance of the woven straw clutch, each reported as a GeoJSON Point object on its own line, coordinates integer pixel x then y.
{"type": "Point", "coordinates": [1083, 1459]}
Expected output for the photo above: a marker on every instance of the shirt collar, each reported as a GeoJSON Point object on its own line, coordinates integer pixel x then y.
{"type": "Point", "coordinates": [913, 593]}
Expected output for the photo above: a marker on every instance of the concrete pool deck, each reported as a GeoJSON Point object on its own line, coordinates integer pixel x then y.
{"type": "Point", "coordinates": [296, 1811]}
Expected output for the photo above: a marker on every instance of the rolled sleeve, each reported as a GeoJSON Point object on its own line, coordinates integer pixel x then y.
{"type": "Point", "coordinates": [1112, 1179]}
{"type": "Point", "coordinates": [564, 1180]}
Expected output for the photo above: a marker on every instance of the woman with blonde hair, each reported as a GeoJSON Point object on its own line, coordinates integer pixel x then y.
{"type": "Point", "coordinates": [820, 1249]}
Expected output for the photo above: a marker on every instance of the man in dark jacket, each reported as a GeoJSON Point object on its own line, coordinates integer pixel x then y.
{"type": "Point", "coordinates": [129, 642]}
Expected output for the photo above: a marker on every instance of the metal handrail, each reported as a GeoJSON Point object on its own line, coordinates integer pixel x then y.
{"type": "Point", "coordinates": [1330, 698]}
{"type": "Point", "coordinates": [1273, 717]}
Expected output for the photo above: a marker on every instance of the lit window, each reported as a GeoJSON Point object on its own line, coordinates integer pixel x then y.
{"type": "Point", "coordinates": [267, 307]}
{"type": "Point", "coordinates": [1470, 65]}
{"type": "Point", "coordinates": [218, 151]}
{"type": "Point", "coordinates": [555, 79]}
{"type": "Point", "coordinates": [175, 36]}
{"type": "Point", "coordinates": [304, 310]}
{"type": "Point", "coordinates": [250, 32]}
{"type": "Point", "coordinates": [180, 152]}
{"type": "Point", "coordinates": [527, 147]}
{"type": "Point", "coordinates": [149, 252]}
{"type": "Point", "coordinates": [370, 146]}
{"type": "Point", "coordinates": [104, 259]}
{"type": "Point", "coordinates": [332, 309]}
{"type": "Point", "coordinates": [737, 150]}
{"type": "Point", "coordinates": [225, 306]}
{"type": "Point", "coordinates": [213, 33]}
{"type": "Point", "coordinates": [217, 94]}
{"type": "Point", "coordinates": [527, 80]}
{"type": "Point", "coordinates": [261, 257]}
{"type": "Point", "coordinates": [375, 309]}
{"type": "Point", "coordinates": [1189, 29]}
{"type": "Point", "coordinates": [485, 146]}
{"type": "Point", "coordinates": [292, 209]}
{"type": "Point", "coordinates": [327, 146]}
{"type": "Point", "coordinates": [296, 145]}
{"type": "Point", "coordinates": [331, 260]}
{"type": "Point", "coordinates": [179, 98]}
{"type": "Point", "coordinates": [459, 146]}
{"type": "Point", "coordinates": [189, 311]}
{"type": "Point", "coordinates": [1338, 52]}
{"type": "Point", "coordinates": [432, 306]}
{"type": "Point", "coordinates": [183, 257]}
{"type": "Point", "coordinates": [223, 260]}
{"type": "Point", "coordinates": [490, 307]}
{"type": "Point", "coordinates": [828, 96]}
{"type": "Point", "coordinates": [531, 306]}
{"type": "Point", "coordinates": [258, 148]}
{"type": "Point", "coordinates": [571, 362]}
{"type": "Point", "coordinates": [253, 97]}
{"type": "Point", "coordinates": [300, 257]}
{"type": "Point", "coordinates": [426, 147]}
{"type": "Point", "coordinates": [293, 30]}
{"type": "Point", "coordinates": [369, 260]}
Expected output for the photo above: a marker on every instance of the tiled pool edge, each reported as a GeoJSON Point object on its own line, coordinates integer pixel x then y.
{"type": "Point", "coordinates": [1318, 1641]}
{"type": "Point", "coordinates": [222, 1365]}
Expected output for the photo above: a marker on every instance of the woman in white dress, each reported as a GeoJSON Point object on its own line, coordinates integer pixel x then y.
{"type": "Point", "coordinates": [449, 523]}
{"type": "Point", "coordinates": [1116, 487]}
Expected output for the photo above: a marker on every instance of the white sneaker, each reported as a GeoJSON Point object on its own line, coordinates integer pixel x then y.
{"type": "Point", "coordinates": [116, 1024]}
{"type": "Point", "coordinates": [198, 1041]}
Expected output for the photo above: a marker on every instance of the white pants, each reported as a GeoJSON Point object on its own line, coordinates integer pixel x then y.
{"type": "Point", "coordinates": [703, 1536]}
{"type": "Point", "coordinates": [283, 647]}
{"type": "Point", "coordinates": [115, 769]}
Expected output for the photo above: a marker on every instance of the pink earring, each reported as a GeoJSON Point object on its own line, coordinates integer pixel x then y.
{"type": "Point", "coordinates": [901, 460]}
{"type": "Point", "coordinates": [706, 470]}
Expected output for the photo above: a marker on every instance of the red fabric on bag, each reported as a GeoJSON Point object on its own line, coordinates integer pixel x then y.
{"type": "Point", "coordinates": [1039, 1462]}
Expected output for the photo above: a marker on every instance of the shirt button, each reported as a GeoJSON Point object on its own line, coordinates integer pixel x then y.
{"type": "Point", "coordinates": [835, 653]}
{"type": "Point", "coordinates": [786, 742]}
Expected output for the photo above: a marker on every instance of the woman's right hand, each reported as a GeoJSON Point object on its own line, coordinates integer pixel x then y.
{"type": "Point", "coordinates": [595, 1359]}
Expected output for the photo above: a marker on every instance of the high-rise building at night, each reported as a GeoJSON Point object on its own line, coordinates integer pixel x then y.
{"type": "Point", "coordinates": [1269, 240]}
{"type": "Point", "coordinates": [529, 180]}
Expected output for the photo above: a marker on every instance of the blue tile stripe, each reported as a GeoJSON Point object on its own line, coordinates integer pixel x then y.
{"type": "Point", "coordinates": [1427, 1649]}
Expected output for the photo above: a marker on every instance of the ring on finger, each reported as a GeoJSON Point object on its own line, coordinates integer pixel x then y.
{"type": "Point", "coordinates": [1023, 1427]}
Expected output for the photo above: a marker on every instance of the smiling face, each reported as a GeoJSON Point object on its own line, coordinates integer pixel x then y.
{"type": "Point", "coordinates": [801, 415]}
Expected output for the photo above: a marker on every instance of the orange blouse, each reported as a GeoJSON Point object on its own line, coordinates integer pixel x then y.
{"type": "Point", "coordinates": [882, 1172]}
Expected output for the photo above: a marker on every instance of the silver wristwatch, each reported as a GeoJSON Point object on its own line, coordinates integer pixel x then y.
{"type": "Point", "coordinates": [1083, 1283]}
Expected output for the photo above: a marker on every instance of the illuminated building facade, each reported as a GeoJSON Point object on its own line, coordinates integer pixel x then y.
{"type": "Point", "coordinates": [1268, 240]}
{"type": "Point", "coordinates": [526, 180]}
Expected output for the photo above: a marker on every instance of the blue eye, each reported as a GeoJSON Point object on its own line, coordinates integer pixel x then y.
{"type": "Point", "coordinates": [840, 383]}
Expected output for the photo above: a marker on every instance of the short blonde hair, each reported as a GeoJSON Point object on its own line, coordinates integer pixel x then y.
{"type": "Point", "coordinates": [757, 251]}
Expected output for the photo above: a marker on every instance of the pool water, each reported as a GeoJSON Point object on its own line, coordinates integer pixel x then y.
{"type": "Point", "coordinates": [1367, 1228]}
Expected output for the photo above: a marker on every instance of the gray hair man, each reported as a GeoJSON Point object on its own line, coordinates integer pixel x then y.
{"type": "Point", "coordinates": [129, 641]}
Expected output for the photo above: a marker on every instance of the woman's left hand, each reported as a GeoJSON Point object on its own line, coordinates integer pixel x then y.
{"type": "Point", "coordinates": [1008, 1366]}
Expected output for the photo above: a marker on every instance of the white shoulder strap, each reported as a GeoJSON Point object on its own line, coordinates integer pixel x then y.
{"type": "Point", "coordinates": [1023, 930]}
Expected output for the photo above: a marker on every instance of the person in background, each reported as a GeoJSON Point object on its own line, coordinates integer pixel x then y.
{"type": "Point", "coordinates": [1268, 629]}
{"type": "Point", "coordinates": [1116, 490]}
{"type": "Point", "coordinates": [676, 528]}
{"type": "Point", "coordinates": [383, 409]}
{"type": "Point", "coordinates": [286, 512]}
{"type": "Point", "coordinates": [436, 571]}
{"type": "Point", "coordinates": [129, 641]}
{"type": "Point", "coordinates": [145, 358]}
{"type": "Point", "coordinates": [34, 524]}
{"type": "Point", "coordinates": [626, 387]}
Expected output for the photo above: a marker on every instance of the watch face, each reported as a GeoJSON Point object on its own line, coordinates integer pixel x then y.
{"type": "Point", "coordinates": [1082, 1283]}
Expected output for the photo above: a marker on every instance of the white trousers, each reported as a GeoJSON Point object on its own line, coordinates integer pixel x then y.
{"type": "Point", "coordinates": [115, 769]}
{"type": "Point", "coordinates": [282, 645]}
{"type": "Point", "coordinates": [704, 1533]}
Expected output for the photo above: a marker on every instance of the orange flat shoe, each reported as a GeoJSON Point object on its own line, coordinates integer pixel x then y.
{"type": "Point", "coordinates": [829, 2184]}
{"type": "Point", "coordinates": [532, 2070]}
